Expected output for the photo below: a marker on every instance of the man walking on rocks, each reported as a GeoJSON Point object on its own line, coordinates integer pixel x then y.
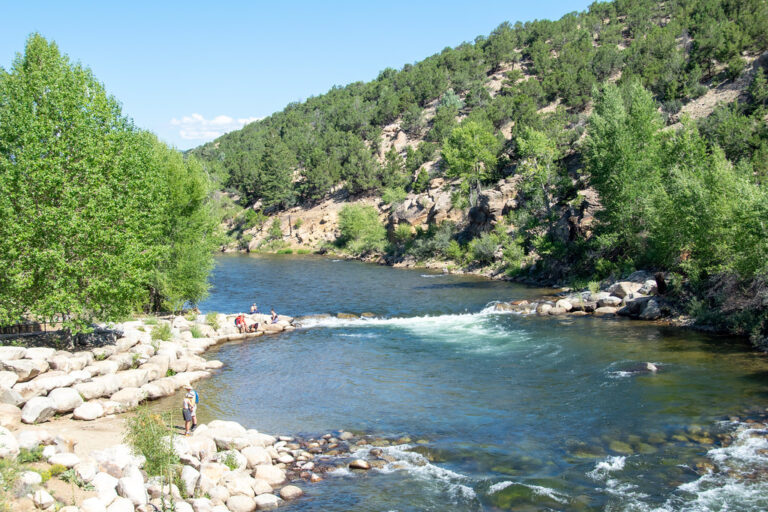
{"type": "Point", "coordinates": [189, 409]}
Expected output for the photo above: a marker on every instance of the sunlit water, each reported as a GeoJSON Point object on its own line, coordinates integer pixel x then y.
{"type": "Point", "coordinates": [518, 412]}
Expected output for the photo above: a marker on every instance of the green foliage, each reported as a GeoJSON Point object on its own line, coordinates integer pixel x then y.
{"type": "Point", "coordinates": [150, 435]}
{"type": "Point", "coordinates": [212, 319]}
{"type": "Point", "coordinates": [57, 469]}
{"type": "Point", "coordinates": [196, 332]}
{"type": "Point", "coordinates": [361, 230]}
{"type": "Point", "coordinates": [111, 220]}
{"type": "Point", "coordinates": [471, 154]}
{"type": "Point", "coordinates": [72, 477]}
{"type": "Point", "coordinates": [150, 320]}
{"type": "Point", "coordinates": [275, 230]}
{"type": "Point", "coordinates": [421, 183]}
{"type": "Point", "coordinates": [230, 461]}
{"type": "Point", "coordinates": [483, 248]}
{"type": "Point", "coordinates": [402, 234]}
{"type": "Point", "coordinates": [161, 331]}
{"type": "Point", "coordinates": [9, 474]}
{"type": "Point", "coordinates": [437, 241]}
{"type": "Point", "coordinates": [25, 455]}
{"type": "Point", "coordinates": [393, 196]}
{"type": "Point", "coordinates": [542, 176]}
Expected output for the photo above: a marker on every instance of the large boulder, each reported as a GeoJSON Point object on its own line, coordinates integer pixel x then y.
{"type": "Point", "coordinates": [256, 455]}
{"type": "Point", "coordinates": [267, 502]}
{"type": "Point", "coordinates": [10, 397]}
{"type": "Point", "coordinates": [121, 505]}
{"type": "Point", "coordinates": [228, 435]}
{"type": "Point", "coordinates": [9, 447]}
{"type": "Point", "coordinates": [68, 460]}
{"type": "Point", "coordinates": [273, 475]}
{"type": "Point", "coordinates": [652, 310]}
{"type": "Point", "coordinates": [133, 489]}
{"type": "Point", "coordinates": [43, 500]}
{"type": "Point", "coordinates": [124, 360]}
{"type": "Point", "coordinates": [238, 482]}
{"type": "Point", "coordinates": [65, 399]}
{"type": "Point", "coordinates": [159, 388]}
{"type": "Point", "coordinates": [291, 492]}
{"type": "Point", "coordinates": [105, 486]}
{"type": "Point", "coordinates": [201, 505]}
{"type": "Point", "coordinates": [116, 459]}
{"type": "Point", "coordinates": [38, 410]}
{"type": "Point", "coordinates": [610, 302]}
{"type": "Point", "coordinates": [103, 367]}
{"type": "Point", "coordinates": [213, 471]}
{"type": "Point", "coordinates": [132, 378]}
{"type": "Point", "coordinates": [90, 390]}
{"type": "Point", "coordinates": [624, 289]}
{"type": "Point", "coordinates": [241, 503]}
{"type": "Point", "coordinates": [8, 379]}
{"type": "Point", "coordinates": [10, 415]}
{"type": "Point", "coordinates": [128, 398]}
{"type": "Point", "coordinates": [39, 353]}
{"type": "Point", "coordinates": [12, 353]}
{"type": "Point", "coordinates": [25, 369]}
{"type": "Point", "coordinates": [67, 363]}
{"type": "Point", "coordinates": [44, 383]}
{"type": "Point", "coordinates": [88, 411]}
{"type": "Point", "coordinates": [190, 476]}
{"type": "Point", "coordinates": [92, 505]}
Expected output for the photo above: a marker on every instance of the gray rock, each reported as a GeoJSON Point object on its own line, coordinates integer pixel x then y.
{"type": "Point", "coordinates": [190, 476]}
{"type": "Point", "coordinates": [10, 415]}
{"type": "Point", "coordinates": [8, 379]}
{"type": "Point", "coordinates": [88, 411]}
{"type": "Point", "coordinates": [10, 397]}
{"type": "Point", "coordinates": [128, 398]}
{"type": "Point", "coordinates": [261, 486]}
{"type": "Point", "coordinates": [133, 489]}
{"type": "Point", "coordinates": [624, 288]}
{"type": "Point", "coordinates": [360, 464]}
{"type": "Point", "coordinates": [92, 505]}
{"type": "Point", "coordinates": [565, 304]}
{"type": "Point", "coordinates": [543, 309]}
{"type": "Point", "coordinates": [25, 369]}
{"type": "Point", "coordinates": [610, 302]}
{"type": "Point", "coordinates": [12, 353]}
{"type": "Point", "coordinates": [121, 504]}
{"type": "Point", "coordinates": [38, 410]}
{"type": "Point", "coordinates": [65, 399]}
{"type": "Point", "coordinates": [256, 455]}
{"type": "Point", "coordinates": [652, 310]}
{"type": "Point", "coordinates": [291, 492]}
{"type": "Point", "coordinates": [68, 460]}
{"type": "Point", "coordinates": [201, 505]}
{"type": "Point", "coordinates": [42, 499]}
{"type": "Point", "coordinates": [267, 502]}
{"type": "Point", "coordinates": [9, 447]}
{"type": "Point", "coordinates": [273, 475]}
{"type": "Point", "coordinates": [605, 311]}
{"type": "Point", "coordinates": [241, 503]}
{"type": "Point", "coordinates": [30, 478]}
{"type": "Point", "coordinates": [132, 378]}
{"type": "Point", "coordinates": [39, 353]}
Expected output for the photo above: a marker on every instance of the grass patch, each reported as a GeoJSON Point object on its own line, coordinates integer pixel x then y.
{"type": "Point", "coordinates": [230, 461]}
{"type": "Point", "coordinates": [9, 474]}
{"type": "Point", "coordinates": [303, 251]}
{"type": "Point", "coordinates": [285, 251]}
{"type": "Point", "coordinates": [26, 456]}
{"type": "Point", "coordinates": [150, 435]}
{"type": "Point", "coordinates": [71, 476]}
{"type": "Point", "coordinates": [196, 332]}
{"type": "Point", "coordinates": [162, 332]}
{"type": "Point", "coordinates": [150, 320]}
{"type": "Point", "coordinates": [212, 319]}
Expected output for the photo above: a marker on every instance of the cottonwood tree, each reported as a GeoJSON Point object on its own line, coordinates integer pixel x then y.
{"type": "Point", "coordinates": [471, 154]}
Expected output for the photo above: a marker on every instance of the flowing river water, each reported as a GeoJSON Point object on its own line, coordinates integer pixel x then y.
{"type": "Point", "coordinates": [503, 411]}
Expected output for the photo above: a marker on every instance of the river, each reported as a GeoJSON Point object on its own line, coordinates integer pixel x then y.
{"type": "Point", "coordinates": [503, 412]}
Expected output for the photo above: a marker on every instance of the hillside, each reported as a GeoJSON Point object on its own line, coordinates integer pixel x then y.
{"type": "Point", "coordinates": [552, 150]}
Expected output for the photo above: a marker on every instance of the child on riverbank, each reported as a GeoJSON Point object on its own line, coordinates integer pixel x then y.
{"type": "Point", "coordinates": [189, 410]}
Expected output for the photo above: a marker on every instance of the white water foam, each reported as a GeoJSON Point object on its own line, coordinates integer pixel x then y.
{"type": "Point", "coordinates": [500, 486]}
{"type": "Point", "coordinates": [433, 275]}
{"type": "Point", "coordinates": [479, 332]}
{"type": "Point", "coordinates": [607, 466]}
{"type": "Point", "coordinates": [417, 466]}
{"type": "Point", "coordinates": [537, 489]}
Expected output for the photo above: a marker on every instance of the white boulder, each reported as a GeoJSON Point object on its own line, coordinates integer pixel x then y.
{"type": "Point", "coordinates": [9, 447]}
{"type": "Point", "coordinates": [68, 460]}
{"type": "Point", "coordinates": [42, 499]}
{"type": "Point", "coordinates": [89, 411]}
{"type": "Point", "coordinates": [133, 489]}
{"type": "Point", "coordinates": [65, 399]}
{"type": "Point", "coordinates": [38, 410]}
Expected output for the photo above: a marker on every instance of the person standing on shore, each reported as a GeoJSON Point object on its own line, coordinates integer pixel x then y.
{"type": "Point", "coordinates": [189, 409]}
{"type": "Point", "coordinates": [274, 315]}
{"type": "Point", "coordinates": [254, 308]}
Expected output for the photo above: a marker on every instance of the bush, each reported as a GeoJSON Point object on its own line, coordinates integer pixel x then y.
{"type": "Point", "coordinates": [149, 434]}
{"type": "Point", "coordinates": [298, 224]}
{"type": "Point", "coordinates": [393, 196]}
{"type": "Point", "coordinates": [421, 183]}
{"type": "Point", "coordinates": [9, 473]}
{"type": "Point", "coordinates": [26, 455]}
{"type": "Point", "coordinates": [361, 231]}
{"type": "Point", "coordinates": [150, 320]}
{"type": "Point", "coordinates": [483, 248]}
{"type": "Point", "coordinates": [275, 231]}
{"type": "Point", "coordinates": [230, 461]}
{"type": "Point", "coordinates": [403, 233]}
{"type": "Point", "coordinates": [72, 477]}
{"type": "Point", "coordinates": [285, 251]}
{"type": "Point", "coordinates": [57, 469]}
{"type": "Point", "coordinates": [191, 315]}
{"type": "Point", "coordinates": [162, 332]}
{"type": "Point", "coordinates": [212, 319]}
{"type": "Point", "coordinates": [196, 332]}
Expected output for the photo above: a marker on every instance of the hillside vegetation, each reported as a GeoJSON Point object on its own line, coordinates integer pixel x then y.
{"type": "Point", "coordinates": [560, 150]}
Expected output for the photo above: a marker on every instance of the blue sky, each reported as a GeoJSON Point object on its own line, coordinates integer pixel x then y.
{"type": "Point", "coordinates": [189, 71]}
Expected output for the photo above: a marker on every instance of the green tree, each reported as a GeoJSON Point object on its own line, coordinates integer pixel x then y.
{"type": "Point", "coordinates": [471, 154]}
{"type": "Point", "coordinates": [361, 230]}
{"type": "Point", "coordinates": [622, 156]}
{"type": "Point", "coordinates": [540, 170]}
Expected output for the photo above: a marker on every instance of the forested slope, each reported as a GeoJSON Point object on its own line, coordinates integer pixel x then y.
{"type": "Point", "coordinates": [569, 149]}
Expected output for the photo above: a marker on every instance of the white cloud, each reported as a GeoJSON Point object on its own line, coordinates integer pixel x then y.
{"type": "Point", "coordinates": [196, 127]}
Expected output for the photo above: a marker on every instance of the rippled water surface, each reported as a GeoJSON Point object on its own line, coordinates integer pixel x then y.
{"type": "Point", "coordinates": [513, 412]}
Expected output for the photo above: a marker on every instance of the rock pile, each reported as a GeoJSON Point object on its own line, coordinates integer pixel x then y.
{"type": "Point", "coordinates": [39, 383]}
{"type": "Point", "coordinates": [635, 297]}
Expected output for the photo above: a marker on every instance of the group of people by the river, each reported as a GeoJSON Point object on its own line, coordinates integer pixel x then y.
{"type": "Point", "coordinates": [242, 325]}
{"type": "Point", "coordinates": [191, 397]}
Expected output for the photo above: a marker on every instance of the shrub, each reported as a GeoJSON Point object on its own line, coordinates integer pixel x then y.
{"type": "Point", "coordinates": [361, 231]}
{"type": "Point", "coordinates": [170, 373]}
{"type": "Point", "coordinates": [57, 469]}
{"type": "Point", "coordinates": [403, 233]}
{"type": "Point", "coordinates": [275, 231]}
{"type": "Point", "coordinates": [72, 477]}
{"type": "Point", "coordinates": [483, 248]}
{"type": "Point", "coordinates": [285, 251]}
{"type": "Point", "coordinates": [421, 183]}
{"type": "Point", "coordinates": [149, 435]}
{"type": "Point", "coordinates": [303, 251]}
{"type": "Point", "coordinates": [298, 224]}
{"type": "Point", "coordinates": [230, 461]}
{"type": "Point", "coordinates": [162, 331]}
{"type": "Point", "coordinates": [196, 332]}
{"type": "Point", "coordinates": [393, 196]}
{"type": "Point", "coordinates": [9, 473]}
{"type": "Point", "coordinates": [191, 315]}
{"type": "Point", "coordinates": [150, 320]}
{"type": "Point", "coordinates": [26, 455]}
{"type": "Point", "coordinates": [212, 319]}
